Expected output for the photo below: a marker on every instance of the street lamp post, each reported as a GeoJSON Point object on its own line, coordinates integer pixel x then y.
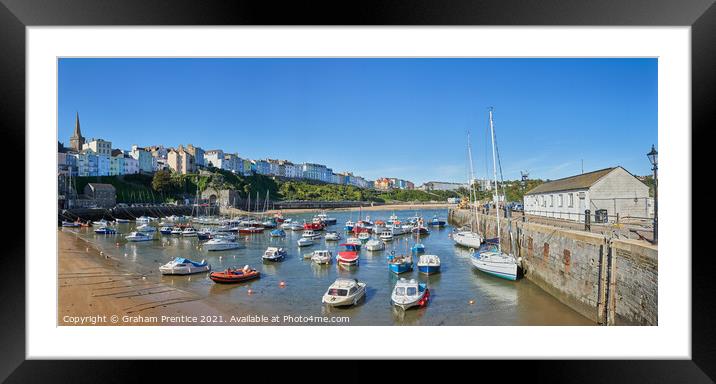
{"type": "Point", "coordinates": [653, 159]}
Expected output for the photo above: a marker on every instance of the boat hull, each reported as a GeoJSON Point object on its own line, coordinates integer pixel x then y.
{"type": "Point", "coordinates": [400, 268]}
{"type": "Point", "coordinates": [230, 278]}
{"type": "Point", "coordinates": [502, 270]}
{"type": "Point", "coordinates": [428, 269]}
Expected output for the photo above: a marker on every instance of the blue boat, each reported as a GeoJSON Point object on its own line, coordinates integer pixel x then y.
{"type": "Point", "coordinates": [349, 226]}
{"type": "Point", "coordinates": [201, 235]}
{"type": "Point", "coordinates": [418, 249]}
{"type": "Point", "coordinates": [429, 264]}
{"type": "Point", "coordinates": [401, 264]}
{"type": "Point", "coordinates": [278, 233]}
{"type": "Point", "coordinates": [165, 230]}
{"type": "Point", "coordinates": [105, 231]}
{"type": "Point", "coordinates": [435, 222]}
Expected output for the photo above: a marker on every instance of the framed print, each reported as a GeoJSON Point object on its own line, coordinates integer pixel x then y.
{"type": "Point", "coordinates": [476, 182]}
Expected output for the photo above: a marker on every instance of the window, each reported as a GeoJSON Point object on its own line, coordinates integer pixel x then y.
{"type": "Point", "coordinates": [561, 202]}
{"type": "Point", "coordinates": [570, 200]}
{"type": "Point", "coordinates": [551, 200]}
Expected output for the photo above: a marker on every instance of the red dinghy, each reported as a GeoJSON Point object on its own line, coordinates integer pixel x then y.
{"type": "Point", "coordinates": [231, 276]}
{"type": "Point", "coordinates": [349, 256]}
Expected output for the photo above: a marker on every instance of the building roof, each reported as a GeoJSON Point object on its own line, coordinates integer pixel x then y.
{"type": "Point", "coordinates": [582, 181]}
{"type": "Point", "coordinates": [101, 187]}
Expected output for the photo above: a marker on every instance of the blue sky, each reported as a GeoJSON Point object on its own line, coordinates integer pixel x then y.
{"type": "Point", "coordinates": [405, 118]}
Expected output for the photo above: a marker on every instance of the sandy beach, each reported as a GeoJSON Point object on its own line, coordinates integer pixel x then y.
{"type": "Point", "coordinates": [93, 290]}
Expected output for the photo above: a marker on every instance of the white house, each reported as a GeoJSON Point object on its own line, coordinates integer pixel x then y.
{"type": "Point", "coordinates": [614, 190]}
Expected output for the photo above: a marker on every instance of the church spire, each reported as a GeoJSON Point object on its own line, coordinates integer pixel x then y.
{"type": "Point", "coordinates": [76, 141]}
{"type": "Point", "coordinates": [78, 133]}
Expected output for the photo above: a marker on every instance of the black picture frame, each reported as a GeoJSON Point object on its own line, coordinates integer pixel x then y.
{"type": "Point", "coordinates": [700, 15]}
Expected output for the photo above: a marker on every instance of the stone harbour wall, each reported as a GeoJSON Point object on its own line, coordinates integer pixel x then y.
{"type": "Point", "coordinates": [610, 281]}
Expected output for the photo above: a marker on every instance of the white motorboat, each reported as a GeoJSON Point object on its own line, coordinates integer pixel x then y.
{"type": "Point", "coordinates": [221, 244]}
{"type": "Point", "coordinates": [295, 227]}
{"type": "Point", "coordinates": [344, 292]}
{"type": "Point", "coordinates": [322, 257]}
{"type": "Point", "coordinates": [397, 229]}
{"type": "Point", "coordinates": [122, 221]}
{"type": "Point", "coordinates": [332, 236]}
{"type": "Point", "coordinates": [393, 218]}
{"type": "Point", "coordinates": [182, 266]}
{"type": "Point", "coordinates": [409, 293]}
{"type": "Point", "coordinates": [224, 235]}
{"type": "Point", "coordinates": [189, 232]}
{"type": "Point", "coordinates": [274, 254]}
{"type": "Point", "coordinates": [305, 241]}
{"type": "Point", "coordinates": [429, 264]}
{"type": "Point", "coordinates": [176, 231]}
{"type": "Point", "coordinates": [310, 234]}
{"type": "Point", "coordinates": [146, 228]}
{"type": "Point", "coordinates": [138, 236]}
{"type": "Point", "coordinates": [143, 219]}
{"type": "Point", "coordinates": [386, 236]}
{"type": "Point", "coordinates": [374, 245]}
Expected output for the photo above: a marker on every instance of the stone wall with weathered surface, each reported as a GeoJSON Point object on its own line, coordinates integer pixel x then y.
{"type": "Point", "coordinates": [577, 267]}
{"type": "Point", "coordinates": [635, 282]}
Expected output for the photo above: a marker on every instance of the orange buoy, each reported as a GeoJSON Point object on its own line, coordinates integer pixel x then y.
{"type": "Point", "coordinates": [471, 302]}
{"type": "Point", "coordinates": [250, 291]}
{"type": "Point", "coordinates": [117, 244]}
{"type": "Point", "coordinates": [282, 284]}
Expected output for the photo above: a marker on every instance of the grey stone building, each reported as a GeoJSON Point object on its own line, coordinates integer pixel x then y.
{"type": "Point", "coordinates": [101, 195]}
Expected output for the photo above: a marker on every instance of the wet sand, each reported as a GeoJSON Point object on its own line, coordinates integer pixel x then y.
{"type": "Point", "coordinates": [92, 288]}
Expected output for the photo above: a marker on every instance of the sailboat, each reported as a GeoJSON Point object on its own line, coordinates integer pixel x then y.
{"type": "Point", "coordinates": [494, 261]}
{"type": "Point", "coordinates": [468, 237]}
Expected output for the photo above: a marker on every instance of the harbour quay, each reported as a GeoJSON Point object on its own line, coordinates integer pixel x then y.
{"type": "Point", "coordinates": [612, 281]}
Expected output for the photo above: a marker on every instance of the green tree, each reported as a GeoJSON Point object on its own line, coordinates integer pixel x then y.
{"type": "Point", "coordinates": [162, 181]}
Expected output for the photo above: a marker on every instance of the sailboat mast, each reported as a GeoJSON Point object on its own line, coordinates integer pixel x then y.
{"type": "Point", "coordinates": [473, 193]}
{"type": "Point", "coordinates": [494, 172]}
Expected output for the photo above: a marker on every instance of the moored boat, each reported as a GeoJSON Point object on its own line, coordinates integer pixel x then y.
{"type": "Point", "coordinates": [349, 256]}
{"type": "Point", "coordinates": [165, 230]}
{"type": "Point", "coordinates": [322, 257]}
{"type": "Point", "coordinates": [401, 264]}
{"type": "Point", "coordinates": [232, 276]}
{"type": "Point", "coordinates": [409, 293]}
{"type": "Point", "coordinates": [305, 241]}
{"type": "Point", "coordinates": [105, 231]}
{"type": "Point", "coordinates": [146, 228]}
{"type": "Point", "coordinates": [189, 232]}
{"type": "Point", "coordinates": [435, 222]}
{"type": "Point", "coordinates": [429, 264]}
{"type": "Point", "coordinates": [363, 237]}
{"type": "Point", "coordinates": [354, 241]}
{"type": "Point", "coordinates": [220, 244]}
{"type": "Point", "coordinates": [278, 233]}
{"type": "Point", "coordinates": [344, 292]}
{"type": "Point", "coordinates": [374, 245]}
{"type": "Point", "coordinates": [386, 236]}
{"type": "Point", "coordinates": [332, 236]}
{"type": "Point", "coordinates": [138, 236]}
{"type": "Point", "coordinates": [274, 254]}
{"type": "Point", "coordinates": [183, 266]}
{"type": "Point", "coordinates": [417, 249]}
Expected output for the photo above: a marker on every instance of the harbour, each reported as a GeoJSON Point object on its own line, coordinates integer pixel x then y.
{"type": "Point", "coordinates": [460, 295]}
